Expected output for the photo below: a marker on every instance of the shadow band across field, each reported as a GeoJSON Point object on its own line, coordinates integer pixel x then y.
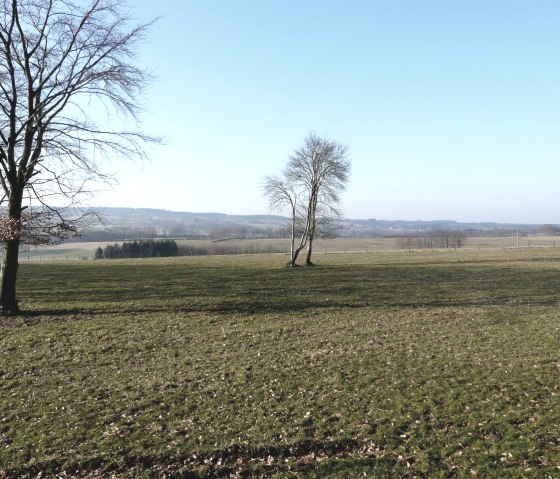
{"type": "Point", "coordinates": [70, 315]}
{"type": "Point", "coordinates": [229, 291]}
{"type": "Point", "coordinates": [236, 461]}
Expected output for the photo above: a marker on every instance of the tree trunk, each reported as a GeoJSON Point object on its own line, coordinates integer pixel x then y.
{"type": "Point", "coordinates": [8, 302]}
{"type": "Point", "coordinates": [308, 261]}
{"type": "Point", "coordinates": [312, 214]}
{"type": "Point", "coordinates": [293, 259]}
{"type": "Point", "coordinates": [10, 257]}
{"type": "Point", "coordinates": [293, 236]}
{"type": "Point", "coordinates": [292, 263]}
{"type": "Point", "coordinates": [295, 252]}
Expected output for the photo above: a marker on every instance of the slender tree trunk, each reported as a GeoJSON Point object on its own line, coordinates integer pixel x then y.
{"type": "Point", "coordinates": [312, 225]}
{"type": "Point", "coordinates": [308, 261]}
{"type": "Point", "coordinates": [292, 263]}
{"type": "Point", "coordinates": [302, 243]}
{"type": "Point", "coordinates": [295, 253]}
{"type": "Point", "coordinates": [293, 234]}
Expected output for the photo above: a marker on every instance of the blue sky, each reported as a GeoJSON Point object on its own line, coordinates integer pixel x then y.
{"type": "Point", "coordinates": [451, 109]}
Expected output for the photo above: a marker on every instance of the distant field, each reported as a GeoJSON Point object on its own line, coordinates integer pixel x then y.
{"type": "Point", "coordinates": [86, 250]}
{"type": "Point", "coordinates": [394, 364]}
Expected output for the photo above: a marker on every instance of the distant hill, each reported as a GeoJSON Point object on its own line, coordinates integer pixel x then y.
{"type": "Point", "coordinates": [373, 227]}
{"type": "Point", "coordinates": [125, 223]}
{"type": "Point", "coordinates": [134, 223]}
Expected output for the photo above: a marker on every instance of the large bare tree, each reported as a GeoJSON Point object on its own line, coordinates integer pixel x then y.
{"type": "Point", "coordinates": [315, 175]}
{"type": "Point", "coordinates": [65, 66]}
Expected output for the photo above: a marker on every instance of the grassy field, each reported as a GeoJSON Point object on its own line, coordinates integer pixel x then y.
{"type": "Point", "coordinates": [86, 250]}
{"type": "Point", "coordinates": [424, 364]}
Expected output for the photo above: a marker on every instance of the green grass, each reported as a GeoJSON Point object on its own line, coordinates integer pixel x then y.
{"type": "Point", "coordinates": [429, 364]}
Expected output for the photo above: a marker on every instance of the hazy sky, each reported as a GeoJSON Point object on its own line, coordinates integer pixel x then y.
{"type": "Point", "coordinates": [451, 109]}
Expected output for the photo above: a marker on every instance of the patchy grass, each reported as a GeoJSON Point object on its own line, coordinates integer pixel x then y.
{"type": "Point", "coordinates": [442, 364]}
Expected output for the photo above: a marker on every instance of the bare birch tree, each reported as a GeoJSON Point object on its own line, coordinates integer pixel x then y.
{"type": "Point", "coordinates": [62, 63]}
{"type": "Point", "coordinates": [316, 173]}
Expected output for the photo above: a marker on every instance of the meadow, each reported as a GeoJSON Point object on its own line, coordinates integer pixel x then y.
{"type": "Point", "coordinates": [86, 250]}
{"type": "Point", "coordinates": [422, 364]}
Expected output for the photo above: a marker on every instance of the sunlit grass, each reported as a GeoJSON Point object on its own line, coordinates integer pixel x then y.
{"type": "Point", "coordinates": [426, 364]}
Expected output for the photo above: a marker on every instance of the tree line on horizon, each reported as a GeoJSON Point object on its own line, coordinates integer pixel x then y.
{"type": "Point", "coordinates": [138, 249]}
{"type": "Point", "coordinates": [435, 239]}
{"type": "Point", "coordinates": [167, 248]}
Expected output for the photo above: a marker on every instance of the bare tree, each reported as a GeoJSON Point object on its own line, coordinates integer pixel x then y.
{"type": "Point", "coordinates": [61, 63]}
{"type": "Point", "coordinates": [321, 169]}
{"type": "Point", "coordinates": [315, 175]}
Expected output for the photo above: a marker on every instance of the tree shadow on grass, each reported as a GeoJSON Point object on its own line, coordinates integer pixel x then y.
{"type": "Point", "coordinates": [69, 315]}
{"type": "Point", "coordinates": [305, 456]}
{"type": "Point", "coordinates": [274, 292]}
